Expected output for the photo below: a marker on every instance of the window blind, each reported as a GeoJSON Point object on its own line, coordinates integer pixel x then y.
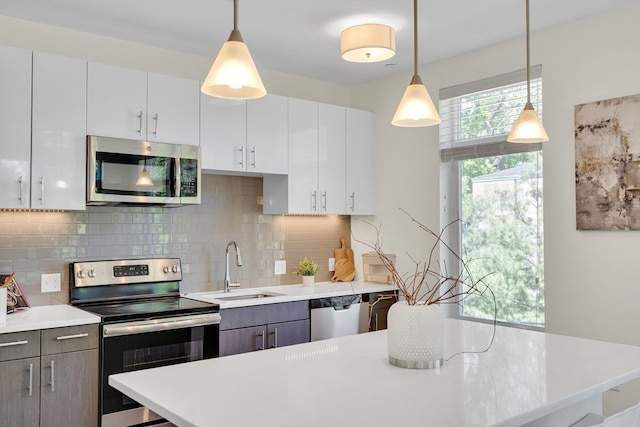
{"type": "Point", "coordinates": [478, 116]}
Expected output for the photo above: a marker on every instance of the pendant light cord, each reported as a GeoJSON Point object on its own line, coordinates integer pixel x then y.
{"type": "Point", "coordinates": [528, 66]}
{"type": "Point", "coordinates": [235, 15]}
{"type": "Point", "coordinates": [415, 37]}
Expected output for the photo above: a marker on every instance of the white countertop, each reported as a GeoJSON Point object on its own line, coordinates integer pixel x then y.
{"type": "Point", "coordinates": [286, 293]}
{"type": "Point", "coordinates": [348, 382]}
{"type": "Point", "coordinates": [45, 317]}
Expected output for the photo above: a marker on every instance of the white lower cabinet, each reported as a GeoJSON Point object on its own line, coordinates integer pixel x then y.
{"type": "Point", "coordinates": [50, 377]}
{"type": "Point", "coordinates": [42, 130]}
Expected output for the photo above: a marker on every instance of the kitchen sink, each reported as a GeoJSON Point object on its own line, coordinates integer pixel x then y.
{"type": "Point", "coordinates": [247, 296]}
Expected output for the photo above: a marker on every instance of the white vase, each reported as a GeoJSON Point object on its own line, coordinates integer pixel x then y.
{"type": "Point", "coordinates": [308, 280]}
{"type": "Point", "coordinates": [415, 335]}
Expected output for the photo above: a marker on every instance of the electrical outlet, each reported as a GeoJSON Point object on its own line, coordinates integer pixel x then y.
{"type": "Point", "coordinates": [50, 282]}
{"type": "Point", "coordinates": [280, 267]}
{"type": "Point", "coordinates": [332, 264]}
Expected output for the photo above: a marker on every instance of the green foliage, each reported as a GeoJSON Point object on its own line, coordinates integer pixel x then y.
{"type": "Point", "coordinates": [503, 235]}
{"type": "Point", "coordinates": [307, 267]}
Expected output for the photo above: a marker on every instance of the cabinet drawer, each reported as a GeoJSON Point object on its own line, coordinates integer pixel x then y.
{"type": "Point", "coordinates": [243, 317]}
{"type": "Point", "coordinates": [72, 338]}
{"type": "Point", "coordinates": [19, 345]}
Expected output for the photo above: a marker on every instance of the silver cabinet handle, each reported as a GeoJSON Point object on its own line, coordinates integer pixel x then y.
{"type": "Point", "coordinates": [155, 121]}
{"type": "Point", "coordinates": [53, 376]}
{"type": "Point", "coordinates": [42, 190]}
{"type": "Point", "coordinates": [12, 343]}
{"type": "Point", "coordinates": [20, 180]}
{"type": "Point", "coordinates": [241, 156]}
{"type": "Point", "coordinates": [324, 201]}
{"type": "Point", "coordinates": [70, 337]}
{"type": "Point", "coordinates": [253, 151]}
{"type": "Point", "coordinates": [139, 116]}
{"type": "Point", "coordinates": [275, 338]}
{"type": "Point", "coordinates": [264, 337]}
{"type": "Point", "coordinates": [353, 201]}
{"type": "Point", "coordinates": [30, 379]}
{"type": "Point", "coordinates": [314, 201]}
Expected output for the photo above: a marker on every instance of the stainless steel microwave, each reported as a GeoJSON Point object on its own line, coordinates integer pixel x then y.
{"type": "Point", "coordinates": [125, 172]}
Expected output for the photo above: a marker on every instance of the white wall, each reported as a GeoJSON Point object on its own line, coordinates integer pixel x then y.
{"type": "Point", "coordinates": [592, 278]}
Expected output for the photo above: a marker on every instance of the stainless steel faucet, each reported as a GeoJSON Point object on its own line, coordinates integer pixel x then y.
{"type": "Point", "coordinates": [227, 281]}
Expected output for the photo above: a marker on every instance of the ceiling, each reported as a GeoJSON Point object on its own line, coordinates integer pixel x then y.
{"type": "Point", "coordinates": [302, 37]}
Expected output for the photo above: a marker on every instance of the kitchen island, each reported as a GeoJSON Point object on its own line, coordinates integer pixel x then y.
{"type": "Point", "coordinates": [526, 378]}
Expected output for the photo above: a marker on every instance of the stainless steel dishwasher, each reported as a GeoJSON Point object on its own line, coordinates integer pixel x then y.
{"type": "Point", "coordinates": [335, 317]}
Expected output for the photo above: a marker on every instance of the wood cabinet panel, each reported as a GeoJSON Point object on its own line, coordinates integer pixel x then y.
{"type": "Point", "coordinates": [20, 392]}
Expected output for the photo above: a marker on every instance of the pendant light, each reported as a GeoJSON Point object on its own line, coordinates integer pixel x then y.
{"type": "Point", "coordinates": [233, 74]}
{"type": "Point", "coordinates": [528, 128]}
{"type": "Point", "coordinates": [416, 108]}
{"type": "Point", "coordinates": [368, 43]}
{"type": "Point", "coordinates": [144, 180]}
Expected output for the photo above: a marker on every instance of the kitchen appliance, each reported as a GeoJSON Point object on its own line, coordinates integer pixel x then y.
{"type": "Point", "coordinates": [145, 323]}
{"type": "Point", "coordinates": [334, 317]}
{"type": "Point", "coordinates": [123, 171]}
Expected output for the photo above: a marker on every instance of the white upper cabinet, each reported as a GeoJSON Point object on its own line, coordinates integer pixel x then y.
{"type": "Point", "coordinates": [15, 127]}
{"type": "Point", "coordinates": [42, 130]}
{"type": "Point", "coordinates": [316, 180]}
{"type": "Point", "coordinates": [125, 103]}
{"type": "Point", "coordinates": [223, 134]}
{"type": "Point", "coordinates": [59, 134]}
{"type": "Point", "coordinates": [360, 160]}
{"type": "Point", "coordinates": [267, 135]}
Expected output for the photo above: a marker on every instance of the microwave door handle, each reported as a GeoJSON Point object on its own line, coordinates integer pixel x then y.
{"type": "Point", "coordinates": [177, 190]}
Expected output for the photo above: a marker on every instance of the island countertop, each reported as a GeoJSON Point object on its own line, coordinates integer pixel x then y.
{"type": "Point", "coordinates": [524, 376]}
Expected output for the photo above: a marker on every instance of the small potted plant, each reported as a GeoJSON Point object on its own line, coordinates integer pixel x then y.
{"type": "Point", "coordinates": [307, 269]}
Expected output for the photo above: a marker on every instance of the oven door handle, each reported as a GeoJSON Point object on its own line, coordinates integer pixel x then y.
{"type": "Point", "coordinates": [160, 324]}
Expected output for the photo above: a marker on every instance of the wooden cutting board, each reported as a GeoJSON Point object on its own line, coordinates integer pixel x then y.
{"type": "Point", "coordinates": [345, 268]}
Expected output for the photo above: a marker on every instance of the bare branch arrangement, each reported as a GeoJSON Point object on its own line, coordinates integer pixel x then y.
{"type": "Point", "coordinates": [429, 283]}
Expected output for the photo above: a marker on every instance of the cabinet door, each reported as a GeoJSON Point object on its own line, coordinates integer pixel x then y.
{"type": "Point", "coordinates": [243, 340]}
{"type": "Point", "coordinates": [15, 127]}
{"type": "Point", "coordinates": [59, 142]}
{"type": "Point", "coordinates": [223, 134]}
{"type": "Point", "coordinates": [360, 163]}
{"type": "Point", "coordinates": [288, 333]}
{"type": "Point", "coordinates": [331, 159]}
{"type": "Point", "coordinates": [303, 194]}
{"type": "Point", "coordinates": [20, 392]}
{"type": "Point", "coordinates": [116, 102]}
{"type": "Point", "coordinates": [267, 130]}
{"type": "Point", "coordinates": [173, 109]}
{"type": "Point", "coordinates": [69, 391]}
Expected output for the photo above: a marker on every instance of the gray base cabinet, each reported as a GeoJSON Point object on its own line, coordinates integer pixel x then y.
{"type": "Point", "coordinates": [50, 377]}
{"type": "Point", "coordinates": [261, 327]}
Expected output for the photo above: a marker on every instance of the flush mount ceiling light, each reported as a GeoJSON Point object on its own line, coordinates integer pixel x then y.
{"type": "Point", "coordinates": [528, 128]}
{"type": "Point", "coordinates": [416, 108]}
{"type": "Point", "coordinates": [368, 43]}
{"type": "Point", "coordinates": [233, 74]}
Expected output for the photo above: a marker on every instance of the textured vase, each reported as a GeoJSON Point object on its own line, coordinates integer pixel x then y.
{"type": "Point", "coordinates": [308, 280]}
{"type": "Point", "coordinates": [415, 335]}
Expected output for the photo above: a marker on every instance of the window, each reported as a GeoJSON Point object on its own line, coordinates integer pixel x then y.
{"type": "Point", "coordinates": [495, 188]}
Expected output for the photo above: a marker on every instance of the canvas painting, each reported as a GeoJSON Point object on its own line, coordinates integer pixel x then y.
{"type": "Point", "coordinates": [607, 144]}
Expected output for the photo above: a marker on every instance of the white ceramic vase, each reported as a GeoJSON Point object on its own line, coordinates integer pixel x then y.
{"type": "Point", "coordinates": [415, 335]}
{"type": "Point", "coordinates": [308, 280]}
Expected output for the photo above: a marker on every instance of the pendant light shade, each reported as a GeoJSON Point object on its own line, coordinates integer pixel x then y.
{"type": "Point", "coordinates": [233, 74]}
{"type": "Point", "coordinates": [144, 180]}
{"type": "Point", "coordinates": [528, 129]}
{"type": "Point", "coordinates": [368, 43]}
{"type": "Point", "coordinates": [416, 108]}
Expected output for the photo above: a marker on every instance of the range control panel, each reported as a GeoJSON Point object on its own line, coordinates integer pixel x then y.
{"type": "Point", "coordinates": [119, 272]}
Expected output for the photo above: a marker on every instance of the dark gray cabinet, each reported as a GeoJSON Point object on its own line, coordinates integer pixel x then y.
{"type": "Point", "coordinates": [261, 327]}
{"type": "Point", "coordinates": [50, 377]}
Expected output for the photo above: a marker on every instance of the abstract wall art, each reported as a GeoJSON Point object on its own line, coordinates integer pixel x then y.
{"type": "Point", "coordinates": [607, 145]}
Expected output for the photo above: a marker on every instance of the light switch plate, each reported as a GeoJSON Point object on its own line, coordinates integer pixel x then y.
{"type": "Point", "coordinates": [50, 282]}
{"type": "Point", "coordinates": [332, 264]}
{"type": "Point", "coordinates": [280, 267]}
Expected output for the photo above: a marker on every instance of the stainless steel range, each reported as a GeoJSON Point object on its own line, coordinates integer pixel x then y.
{"type": "Point", "coordinates": [145, 324]}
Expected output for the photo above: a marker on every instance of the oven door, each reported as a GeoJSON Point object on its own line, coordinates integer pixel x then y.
{"type": "Point", "coordinates": [148, 344]}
